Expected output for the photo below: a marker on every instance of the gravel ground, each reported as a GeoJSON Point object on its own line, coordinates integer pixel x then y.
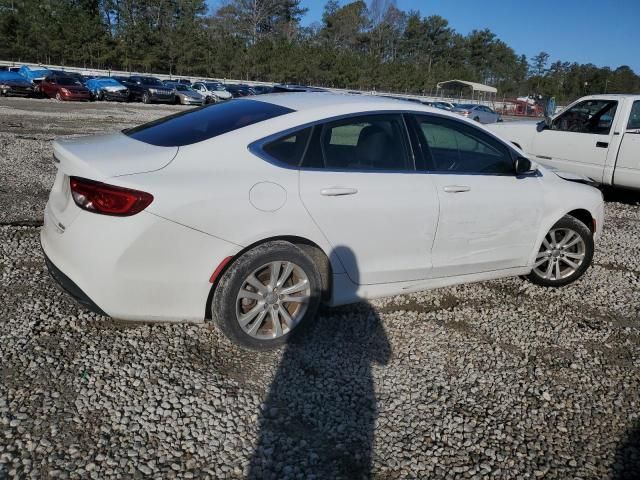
{"type": "Point", "coordinates": [497, 380]}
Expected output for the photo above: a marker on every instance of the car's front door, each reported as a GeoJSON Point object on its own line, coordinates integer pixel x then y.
{"type": "Point", "coordinates": [579, 139]}
{"type": "Point", "coordinates": [627, 171]}
{"type": "Point", "coordinates": [359, 184]}
{"type": "Point", "coordinates": [489, 217]}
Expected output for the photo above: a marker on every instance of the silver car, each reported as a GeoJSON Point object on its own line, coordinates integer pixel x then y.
{"type": "Point", "coordinates": [479, 113]}
{"type": "Point", "coordinates": [186, 95]}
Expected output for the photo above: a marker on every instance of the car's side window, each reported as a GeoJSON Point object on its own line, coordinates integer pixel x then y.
{"type": "Point", "coordinates": [634, 118]}
{"type": "Point", "coordinates": [362, 143]}
{"type": "Point", "coordinates": [290, 149]}
{"type": "Point", "coordinates": [456, 147]}
{"type": "Point", "coordinates": [589, 116]}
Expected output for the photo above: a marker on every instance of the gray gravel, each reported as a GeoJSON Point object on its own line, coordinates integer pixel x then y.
{"type": "Point", "coordinates": [499, 380]}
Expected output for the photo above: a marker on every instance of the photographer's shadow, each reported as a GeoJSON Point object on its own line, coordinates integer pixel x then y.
{"type": "Point", "coordinates": [320, 414]}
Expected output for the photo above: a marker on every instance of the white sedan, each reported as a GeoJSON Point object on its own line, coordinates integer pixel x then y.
{"type": "Point", "coordinates": [251, 213]}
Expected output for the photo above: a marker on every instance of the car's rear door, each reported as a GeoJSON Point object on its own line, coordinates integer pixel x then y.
{"type": "Point", "coordinates": [359, 185]}
{"type": "Point", "coordinates": [489, 217]}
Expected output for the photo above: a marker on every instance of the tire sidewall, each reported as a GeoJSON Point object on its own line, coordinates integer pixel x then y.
{"type": "Point", "coordinates": [223, 304]}
{"type": "Point", "coordinates": [587, 236]}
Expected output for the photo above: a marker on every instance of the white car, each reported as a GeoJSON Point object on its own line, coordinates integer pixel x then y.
{"type": "Point", "coordinates": [213, 92]}
{"type": "Point", "coordinates": [252, 212]}
{"type": "Point", "coordinates": [479, 113]}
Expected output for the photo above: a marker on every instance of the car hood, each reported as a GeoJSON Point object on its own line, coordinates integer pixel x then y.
{"type": "Point", "coordinates": [103, 156]}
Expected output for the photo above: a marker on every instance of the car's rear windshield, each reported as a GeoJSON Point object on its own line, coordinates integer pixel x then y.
{"type": "Point", "coordinates": [203, 123]}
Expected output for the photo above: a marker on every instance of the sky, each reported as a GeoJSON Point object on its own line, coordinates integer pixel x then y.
{"type": "Point", "coordinates": [602, 32]}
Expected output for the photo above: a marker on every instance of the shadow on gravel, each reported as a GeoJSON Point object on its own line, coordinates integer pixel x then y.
{"type": "Point", "coordinates": [620, 195]}
{"type": "Point", "coordinates": [319, 417]}
{"type": "Point", "coordinates": [627, 463]}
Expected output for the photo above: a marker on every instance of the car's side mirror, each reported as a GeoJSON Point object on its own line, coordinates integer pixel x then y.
{"type": "Point", "coordinates": [524, 166]}
{"type": "Point", "coordinates": [543, 124]}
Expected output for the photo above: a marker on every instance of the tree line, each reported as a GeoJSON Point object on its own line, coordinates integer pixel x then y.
{"type": "Point", "coordinates": [374, 46]}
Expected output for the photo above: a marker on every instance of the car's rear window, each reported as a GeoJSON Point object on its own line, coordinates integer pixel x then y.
{"type": "Point", "coordinates": [203, 123]}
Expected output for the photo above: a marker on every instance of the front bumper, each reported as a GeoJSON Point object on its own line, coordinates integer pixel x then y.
{"type": "Point", "coordinates": [116, 96]}
{"type": "Point", "coordinates": [18, 91]}
{"type": "Point", "coordinates": [75, 96]}
{"type": "Point", "coordinates": [161, 97]}
{"type": "Point", "coordinates": [67, 285]}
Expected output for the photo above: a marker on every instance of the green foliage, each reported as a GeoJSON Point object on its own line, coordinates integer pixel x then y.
{"type": "Point", "coordinates": [360, 46]}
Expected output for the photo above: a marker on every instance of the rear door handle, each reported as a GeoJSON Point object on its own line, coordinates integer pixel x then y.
{"type": "Point", "coordinates": [602, 145]}
{"type": "Point", "coordinates": [457, 188]}
{"type": "Point", "coordinates": [338, 191]}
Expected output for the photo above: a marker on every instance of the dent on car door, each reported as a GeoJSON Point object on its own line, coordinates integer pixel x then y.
{"type": "Point", "coordinates": [579, 138]}
{"type": "Point", "coordinates": [359, 185]}
{"type": "Point", "coordinates": [627, 171]}
{"type": "Point", "coordinates": [489, 217]}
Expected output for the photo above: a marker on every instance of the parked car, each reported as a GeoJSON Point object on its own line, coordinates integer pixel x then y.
{"type": "Point", "coordinates": [12, 83]}
{"type": "Point", "coordinates": [107, 88]}
{"type": "Point", "coordinates": [64, 88]}
{"type": "Point", "coordinates": [185, 95]}
{"type": "Point", "coordinates": [148, 89]}
{"type": "Point", "coordinates": [212, 92]}
{"type": "Point", "coordinates": [184, 81]}
{"type": "Point", "coordinates": [479, 113]}
{"type": "Point", "coordinates": [442, 105]}
{"type": "Point", "coordinates": [252, 212]}
{"type": "Point", "coordinates": [596, 136]}
{"type": "Point", "coordinates": [290, 87]}
{"type": "Point", "coordinates": [262, 89]}
{"type": "Point", "coordinates": [63, 73]}
{"type": "Point", "coordinates": [34, 75]}
{"type": "Point", "coordinates": [238, 90]}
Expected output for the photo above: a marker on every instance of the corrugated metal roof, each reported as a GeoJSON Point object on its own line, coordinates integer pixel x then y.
{"type": "Point", "coordinates": [476, 87]}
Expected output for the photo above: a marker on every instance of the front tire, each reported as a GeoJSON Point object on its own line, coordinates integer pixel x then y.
{"type": "Point", "coordinates": [266, 296]}
{"type": "Point", "coordinates": [565, 254]}
{"type": "Point", "coordinates": [145, 98]}
{"type": "Point", "coordinates": [58, 97]}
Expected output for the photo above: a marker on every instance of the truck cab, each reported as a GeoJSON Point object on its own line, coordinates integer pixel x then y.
{"type": "Point", "coordinates": [597, 136]}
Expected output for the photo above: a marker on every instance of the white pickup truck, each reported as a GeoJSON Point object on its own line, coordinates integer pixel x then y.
{"type": "Point", "coordinates": [596, 136]}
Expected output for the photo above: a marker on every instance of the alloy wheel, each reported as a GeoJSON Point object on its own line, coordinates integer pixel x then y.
{"type": "Point", "coordinates": [273, 299]}
{"type": "Point", "coordinates": [561, 254]}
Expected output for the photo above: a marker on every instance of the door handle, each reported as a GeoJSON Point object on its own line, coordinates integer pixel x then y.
{"type": "Point", "coordinates": [602, 144]}
{"type": "Point", "coordinates": [457, 188]}
{"type": "Point", "coordinates": [338, 191]}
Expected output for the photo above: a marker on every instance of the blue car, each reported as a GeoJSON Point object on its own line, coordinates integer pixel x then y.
{"type": "Point", "coordinates": [34, 75]}
{"type": "Point", "coordinates": [107, 88]}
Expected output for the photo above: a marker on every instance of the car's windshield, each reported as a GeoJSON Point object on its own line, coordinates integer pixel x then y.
{"type": "Point", "coordinates": [466, 106]}
{"type": "Point", "coordinates": [150, 81]}
{"type": "Point", "coordinates": [181, 88]}
{"type": "Point", "coordinates": [66, 81]}
{"type": "Point", "coordinates": [214, 86]}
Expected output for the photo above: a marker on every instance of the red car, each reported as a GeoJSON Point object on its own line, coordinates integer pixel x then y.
{"type": "Point", "coordinates": [64, 88]}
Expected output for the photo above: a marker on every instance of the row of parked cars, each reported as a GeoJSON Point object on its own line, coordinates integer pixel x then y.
{"type": "Point", "coordinates": [65, 85]}
{"type": "Point", "coordinates": [479, 113]}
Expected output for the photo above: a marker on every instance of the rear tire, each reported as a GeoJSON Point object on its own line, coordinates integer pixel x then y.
{"type": "Point", "coordinates": [565, 254]}
{"type": "Point", "coordinates": [145, 98]}
{"type": "Point", "coordinates": [58, 96]}
{"type": "Point", "coordinates": [477, 119]}
{"type": "Point", "coordinates": [267, 296]}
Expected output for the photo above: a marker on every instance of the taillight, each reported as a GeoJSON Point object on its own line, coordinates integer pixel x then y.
{"type": "Point", "coordinates": [65, 91]}
{"type": "Point", "coordinates": [106, 199]}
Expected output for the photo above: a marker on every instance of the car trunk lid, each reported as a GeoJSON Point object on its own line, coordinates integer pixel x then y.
{"type": "Point", "coordinates": [99, 158]}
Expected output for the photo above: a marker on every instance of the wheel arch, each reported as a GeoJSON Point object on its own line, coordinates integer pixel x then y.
{"type": "Point", "coordinates": [317, 254]}
{"type": "Point", "coordinates": [584, 216]}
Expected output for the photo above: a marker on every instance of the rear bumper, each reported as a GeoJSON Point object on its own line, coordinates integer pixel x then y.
{"type": "Point", "coordinates": [67, 285]}
{"type": "Point", "coordinates": [133, 268]}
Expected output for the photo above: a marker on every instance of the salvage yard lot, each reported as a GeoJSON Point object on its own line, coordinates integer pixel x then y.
{"type": "Point", "coordinates": [500, 379]}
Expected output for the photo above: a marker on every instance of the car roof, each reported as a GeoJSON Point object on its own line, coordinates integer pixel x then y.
{"type": "Point", "coordinates": [307, 101]}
